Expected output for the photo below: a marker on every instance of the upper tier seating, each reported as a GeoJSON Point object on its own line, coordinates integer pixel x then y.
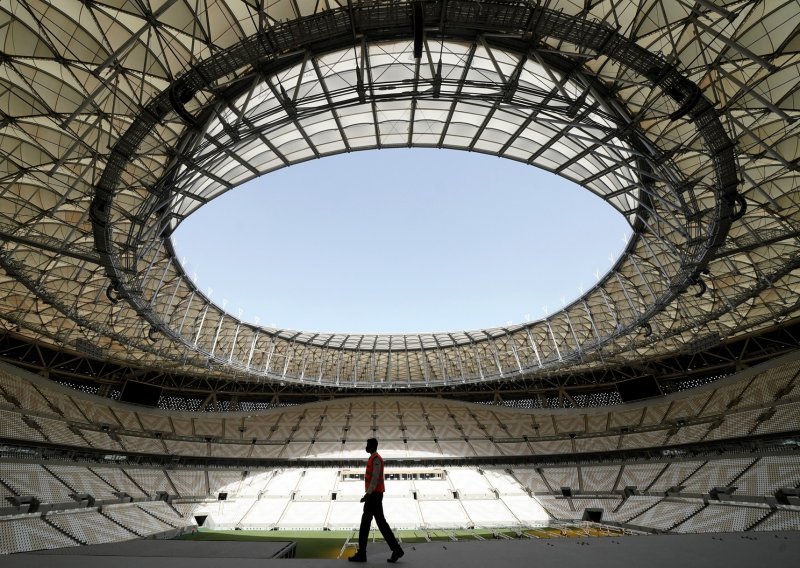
{"type": "Point", "coordinates": [723, 518]}
{"type": "Point", "coordinates": [758, 403]}
{"type": "Point", "coordinates": [33, 480]}
{"type": "Point", "coordinates": [667, 513]}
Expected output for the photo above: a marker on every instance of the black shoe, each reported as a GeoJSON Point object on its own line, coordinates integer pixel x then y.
{"type": "Point", "coordinates": [358, 557]}
{"type": "Point", "coordinates": [396, 555]}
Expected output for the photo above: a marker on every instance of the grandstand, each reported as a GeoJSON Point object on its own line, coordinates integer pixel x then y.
{"type": "Point", "coordinates": [674, 491]}
{"type": "Point", "coordinates": [664, 400]}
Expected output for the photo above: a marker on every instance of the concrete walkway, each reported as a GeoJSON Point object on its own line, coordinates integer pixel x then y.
{"type": "Point", "coordinates": [731, 550]}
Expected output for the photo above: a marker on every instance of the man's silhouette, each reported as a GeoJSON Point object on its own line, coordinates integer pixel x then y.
{"type": "Point", "coordinates": [373, 507]}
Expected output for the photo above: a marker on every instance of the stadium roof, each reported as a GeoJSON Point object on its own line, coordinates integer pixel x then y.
{"type": "Point", "coordinates": [121, 117]}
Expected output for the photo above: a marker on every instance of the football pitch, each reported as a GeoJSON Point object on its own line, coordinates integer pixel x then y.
{"type": "Point", "coordinates": [341, 544]}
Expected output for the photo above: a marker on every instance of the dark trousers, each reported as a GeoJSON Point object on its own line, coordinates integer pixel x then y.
{"type": "Point", "coordinates": [373, 508]}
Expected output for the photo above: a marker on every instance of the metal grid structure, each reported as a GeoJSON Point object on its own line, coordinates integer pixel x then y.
{"type": "Point", "coordinates": [120, 118]}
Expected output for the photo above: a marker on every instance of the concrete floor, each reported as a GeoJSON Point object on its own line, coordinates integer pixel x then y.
{"type": "Point", "coordinates": [731, 550]}
{"type": "Point", "coordinates": [173, 549]}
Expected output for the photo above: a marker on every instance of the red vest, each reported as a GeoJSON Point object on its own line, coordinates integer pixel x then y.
{"type": "Point", "coordinates": [368, 475]}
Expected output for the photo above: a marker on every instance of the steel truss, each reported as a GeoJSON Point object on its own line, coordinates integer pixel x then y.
{"type": "Point", "coordinates": [686, 232]}
{"type": "Point", "coordinates": [690, 139]}
{"type": "Point", "coordinates": [214, 391]}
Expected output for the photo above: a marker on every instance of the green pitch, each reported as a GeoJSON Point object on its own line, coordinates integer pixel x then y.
{"type": "Point", "coordinates": [341, 544]}
{"type": "Point", "coordinates": [310, 544]}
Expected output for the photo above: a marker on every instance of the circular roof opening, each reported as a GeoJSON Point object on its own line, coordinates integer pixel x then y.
{"type": "Point", "coordinates": [401, 241]}
{"type": "Point", "coordinates": [541, 107]}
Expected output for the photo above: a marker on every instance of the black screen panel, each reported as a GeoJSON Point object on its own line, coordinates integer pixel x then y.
{"type": "Point", "coordinates": [637, 389]}
{"type": "Point", "coordinates": [140, 393]}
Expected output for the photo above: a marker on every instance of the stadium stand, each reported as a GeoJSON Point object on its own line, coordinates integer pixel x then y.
{"type": "Point", "coordinates": [557, 478]}
{"type": "Point", "coordinates": [526, 509]}
{"type": "Point", "coordinates": [674, 475]}
{"type": "Point", "coordinates": [349, 489]}
{"type": "Point", "coordinates": [599, 478]}
{"type": "Point", "coordinates": [596, 443]}
{"type": "Point", "coordinates": [404, 513]}
{"type": "Point", "coordinates": [254, 483]}
{"type": "Point", "coordinates": [164, 513]}
{"type": "Point", "coordinates": [550, 447]}
{"type": "Point", "coordinates": [779, 520]}
{"type": "Point", "coordinates": [646, 439]}
{"type": "Point", "coordinates": [607, 505]}
{"type": "Point", "coordinates": [283, 482]}
{"type": "Point", "coordinates": [189, 483]}
{"type": "Point", "coordinates": [266, 451]}
{"type": "Point", "coordinates": [630, 508]}
{"type": "Point", "coordinates": [786, 417]}
{"type": "Point", "coordinates": [398, 488]}
{"type": "Point", "coordinates": [668, 513]}
{"type": "Point", "coordinates": [101, 440]}
{"type": "Point", "coordinates": [229, 450]}
{"type": "Point", "coordinates": [304, 515]}
{"type": "Point", "coordinates": [443, 514]}
{"type": "Point", "coordinates": [187, 509]}
{"type": "Point", "coordinates": [723, 518]}
{"type": "Point", "coordinates": [425, 449]}
{"type": "Point", "coordinates": [65, 405]}
{"type": "Point", "coordinates": [328, 450]}
{"type": "Point", "coordinates": [141, 444]}
{"type": "Point", "coordinates": [640, 476]}
{"type": "Point", "coordinates": [433, 489]}
{"type": "Point", "coordinates": [5, 492]}
{"type": "Point", "coordinates": [346, 515]}
{"type": "Point", "coordinates": [82, 480]}
{"type": "Point", "coordinates": [714, 474]}
{"type": "Point", "coordinates": [186, 448]}
{"type": "Point", "coordinates": [138, 520]}
{"type": "Point", "coordinates": [259, 514]}
{"type": "Point", "coordinates": [470, 484]}
{"type": "Point", "coordinates": [503, 482]}
{"type": "Point", "coordinates": [272, 497]}
{"type": "Point", "coordinates": [120, 480]}
{"type": "Point", "coordinates": [439, 430]}
{"type": "Point", "coordinates": [224, 514]}
{"type": "Point", "coordinates": [155, 421]}
{"type": "Point", "coordinates": [490, 496]}
{"type": "Point", "coordinates": [35, 481]}
{"type": "Point", "coordinates": [22, 533]}
{"type": "Point", "coordinates": [557, 508]}
{"type": "Point", "coordinates": [88, 526]}
{"type": "Point", "coordinates": [736, 424]}
{"type": "Point", "coordinates": [152, 481]}
{"type": "Point", "coordinates": [489, 513]}
{"type": "Point", "coordinates": [316, 484]}
{"type": "Point", "coordinates": [224, 481]}
{"type": "Point", "coordinates": [56, 432]}
{"type": "Point", "coordinates": [768, 474]}
{"type": "Point", "coordinates": [531, 478]}
{"type": "Point", "coordinates": [14, 426]}
{"type": "Point", "coordinates": [23, 393]}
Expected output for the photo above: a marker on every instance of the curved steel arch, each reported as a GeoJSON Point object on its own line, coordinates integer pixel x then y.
{"type": "Point", "coordinates": [701, 228]}
{"type": "Point", "coordinates": [74, 87]}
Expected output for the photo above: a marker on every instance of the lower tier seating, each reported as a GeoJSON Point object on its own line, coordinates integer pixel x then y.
{"type": "Point", "coordinates": [87, 526]}
{"type": "Point", "coordinates": [30, 532]}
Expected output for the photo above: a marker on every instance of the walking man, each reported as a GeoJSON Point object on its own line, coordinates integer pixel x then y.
{"type": "Point", "coordinates": [373, 507]}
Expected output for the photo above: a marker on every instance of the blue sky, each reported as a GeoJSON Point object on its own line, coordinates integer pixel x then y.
{"type": "Point", "coordinates": [400, 241]}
